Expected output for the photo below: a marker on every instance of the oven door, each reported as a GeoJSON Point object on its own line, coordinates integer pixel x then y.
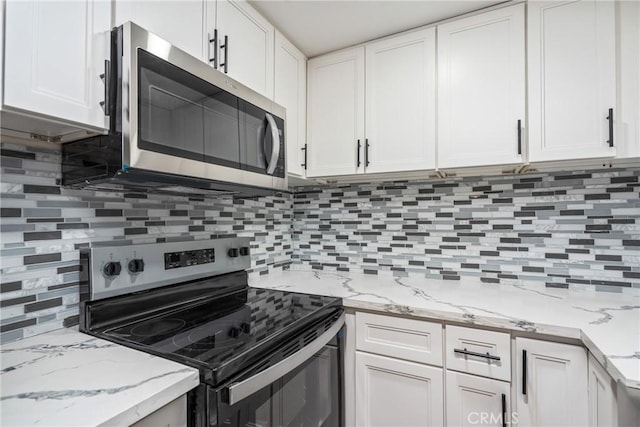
{"type": "Point", "coordinates": [308, 394]}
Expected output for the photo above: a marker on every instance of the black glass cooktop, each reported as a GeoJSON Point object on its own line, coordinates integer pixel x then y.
{"type": "Point", "coordinates": [226, 333]}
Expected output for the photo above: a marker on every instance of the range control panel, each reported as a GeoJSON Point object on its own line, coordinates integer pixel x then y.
{"type": "Point", "coordinates": [122, 269]}
{"type": "Point", "coordinates": [189, 258]}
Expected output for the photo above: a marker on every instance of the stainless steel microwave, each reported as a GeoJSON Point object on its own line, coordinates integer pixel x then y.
{"type": "Point", "coordinates": [178, 124]}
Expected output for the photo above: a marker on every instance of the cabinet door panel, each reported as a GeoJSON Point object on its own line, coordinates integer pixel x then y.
{"type": "Point", "coordinates": [571, 49]}
{"type": "Point", "coordinates": [401, 101]}
{"type": "Point", "coordinates": [556, 384]}
{"type": "Point", "coordinates": [481, 88]}
{"type": "Point", "coordinates": [335, 115]}
{"type": "Point", "coordinates": [475, 400]}
{"type": "Point", "coordinates": [249, 54]}
{"type": "Point", "coordinates": [391, 392]}
{"type": "Point", "coordinates": [180, 22]}
{"type": "Point", "coordinates": [291, 92]}
{"type": "Point", "coordinates": [54, 55]}
{"type": "Point", "coordinates": [602, 396]}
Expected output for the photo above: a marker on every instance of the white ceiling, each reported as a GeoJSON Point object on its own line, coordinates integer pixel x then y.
{"type": "Point", "coordinates": [320, 26]}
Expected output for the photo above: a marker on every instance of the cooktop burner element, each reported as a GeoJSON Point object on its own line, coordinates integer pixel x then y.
{"type": "Point", "coordinates": [155, 328]}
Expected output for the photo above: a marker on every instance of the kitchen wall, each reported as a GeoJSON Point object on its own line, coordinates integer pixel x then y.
{"type": "Point", "coordinates": [556, 228]}
{"type": "Point", "coordinates": [43, 226]}
{"type": "Point", "coordinates": [559, 229]}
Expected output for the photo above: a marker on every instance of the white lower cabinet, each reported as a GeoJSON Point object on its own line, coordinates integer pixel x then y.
{"type": "Point", "coordinates": [173, 414]}
{"type": "Point", "coordinates": [473, 400]}
{"type": "Point", "coordinates": [550, 384]}
{"type": "Point", "coordinates": [603, 408]}
{"type": "Point", "coordinates": [394, 392]}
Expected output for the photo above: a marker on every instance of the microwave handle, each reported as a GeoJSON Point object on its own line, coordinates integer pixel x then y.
{"type": "Point", "coordinates": [275, 150]}
{"type": "Point", "coordinates": [240, 390]}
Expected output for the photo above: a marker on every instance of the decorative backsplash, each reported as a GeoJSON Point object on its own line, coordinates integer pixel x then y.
{"type": "Point", "coordinates": [559, 229]}
{"type": "Point", "coordinates": [556, 228]}
{"type": "Point", "coordinates": [43, 225]}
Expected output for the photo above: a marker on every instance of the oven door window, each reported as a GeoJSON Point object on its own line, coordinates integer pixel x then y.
{"type": "Point", "coordinates": [182, 115]}
{"type": "Point", "coordinates": [307, 396]}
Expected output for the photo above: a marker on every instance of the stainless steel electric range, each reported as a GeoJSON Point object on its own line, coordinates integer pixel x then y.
{"type": "Point", "coordinates": [266, 358]}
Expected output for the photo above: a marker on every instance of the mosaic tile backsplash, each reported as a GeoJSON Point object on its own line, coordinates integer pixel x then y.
{"type": "Point", "coordinates": [559, 229]}
{"type": "Point", "coordinates": [43, 225]}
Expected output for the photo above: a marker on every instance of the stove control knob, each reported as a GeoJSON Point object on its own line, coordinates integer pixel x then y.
{"type": "Point", "coordinates": [244, 251]}
{"type": "Point", "coordinates": [234, 332]}
{"type": "Point", "coordinates": [245, 328]}
{"type": "Point", "coordinates": [233, 252]}
{"type": "Point", "coordinates": [112, 269]}
{"type": "Point", "coordinates": [136, 266]}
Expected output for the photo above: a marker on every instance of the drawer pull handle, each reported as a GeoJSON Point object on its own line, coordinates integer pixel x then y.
{"type": "Point", "coordinates": [473, 353]}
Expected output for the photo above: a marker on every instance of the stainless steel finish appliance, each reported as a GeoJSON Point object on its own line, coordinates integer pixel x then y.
{"type": "Point", "coordinates": [176, 123]}
{"type": "Point", "coordinates": [266, 358]}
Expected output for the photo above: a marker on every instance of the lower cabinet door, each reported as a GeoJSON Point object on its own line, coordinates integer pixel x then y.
{"type": "Point", "coordinates": [550, 384]}
{"type": "Point", "coordinates": [473, 400]}
{"type": "Point", "coordinates": [393, 392]}
{"type": "Point", "coordinates": [602, 396]}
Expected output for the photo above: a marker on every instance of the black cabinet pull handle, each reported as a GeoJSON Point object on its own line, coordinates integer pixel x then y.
{"type": "Point", "coordinates": [519, 136]}
{"type": "Point", "coordinates": [304, 165]}
{"type": "Point", "coordinates": [610, 119]}
{"type": "Point", "coordinates": [214, 41]}
{"type": "Point", "coordinates": [358, 154]}
{"type": "Point", "coordinates": [225, 46]}
{"type": "Point", "coordinates": [473, 353]}
{"type": "Point", "coordinates": [504, 410]}
{"type": "Point", "coordinates": [106, 79]}
{"type": "Point", "coordinates": [524, 372]}
{"type": "Point", "coordinates": [366, 152]}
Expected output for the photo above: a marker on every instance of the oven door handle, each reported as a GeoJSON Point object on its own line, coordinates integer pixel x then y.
{"type": "Point", "coordinates": [245, 388]}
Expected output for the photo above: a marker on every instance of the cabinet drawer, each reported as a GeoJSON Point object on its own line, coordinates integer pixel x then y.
{"type": "Point", "coordinates": [409, 339]}
{"type": "Point", "coordinates": [466, 351]}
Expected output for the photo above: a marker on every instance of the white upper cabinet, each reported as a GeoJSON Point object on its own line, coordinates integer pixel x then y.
{"type": "Point", "coordinates": [245, 43]}
{"type": "Point", "coordinates": [180, 22]}
{"type": "Point", "coordinates": [551, 385]}
{"type": "Point", "coordinates": [571, 72]}
{"type": "Point", "coordinates": [481, 89]}
{"type": "Point", "coordinates": [290, 91]}
{"type": "Point", "coordinates": [335, 113]}
{"type": "Point", "coordinates": [401, 102]}
{"type": "Point", "coordinates": [54, 53]}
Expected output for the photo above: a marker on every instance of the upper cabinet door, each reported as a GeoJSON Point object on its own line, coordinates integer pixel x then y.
{"type": "Point", "coordinates": [247, 54]}
{"type": "Point", "coordinates": [290, 91]}
{"type": "Point", "coordinates": [551, 384]}
{"type": "Point", "coordinates": [481, 89]}
{"type": "Point", "coordinates": [401, 102]}
{"type": "Point", "coordinates": [572, 86]}
{"type": "Point", "coordinates": [180, 22]}
{"type": "Point", "coordinates": [54, 55]}
{"type": "Point", "coordinates": [335, 114]}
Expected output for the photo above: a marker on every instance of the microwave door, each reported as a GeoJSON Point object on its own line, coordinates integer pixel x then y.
{"type": "Point", "coordinates": [254, 128]}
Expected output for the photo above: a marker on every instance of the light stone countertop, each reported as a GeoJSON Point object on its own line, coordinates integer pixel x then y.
{"type": "Point", "coordinates": [67, 378]}
{"type": "Point", "coordinates": [607, 323]}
